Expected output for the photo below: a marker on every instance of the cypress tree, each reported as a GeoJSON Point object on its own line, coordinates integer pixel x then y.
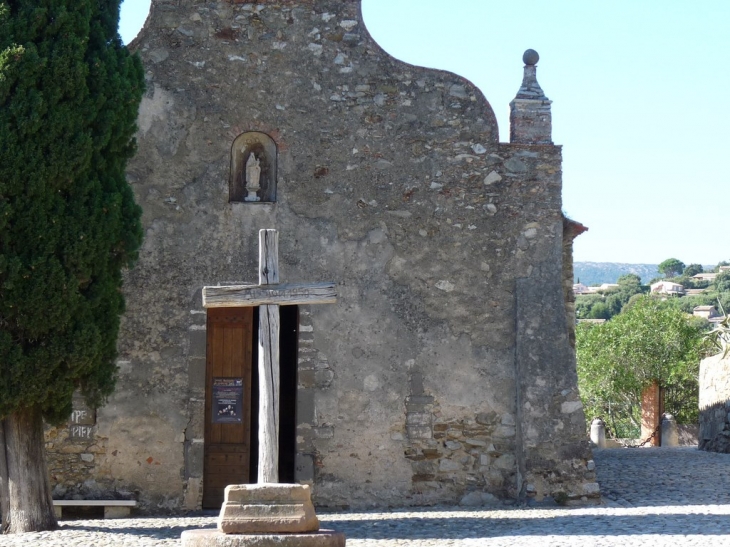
{"type": "Point", "coordinates": [69, 95]}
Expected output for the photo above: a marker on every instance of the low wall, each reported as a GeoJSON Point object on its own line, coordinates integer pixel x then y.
{"type": "Point", "coordinates": [714, 433]}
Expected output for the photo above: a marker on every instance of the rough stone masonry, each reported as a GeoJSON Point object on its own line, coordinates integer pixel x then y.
{"type": "Point", "coordinates": [445, 373]}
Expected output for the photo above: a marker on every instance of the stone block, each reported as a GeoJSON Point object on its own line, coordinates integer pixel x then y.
{"type": "Point", "coordinates": [416, 384]}
{"type": "Point", "coordinates": [214, 538]}
{"type": "Point", "coordinates": [424, 467]}
{"type": "Point", "coordinates": [504, 431]}
{"type": "Point", "coordinates": [306, 379]}
{"type": "Point", "coordinates": [415, 408]}
{"type": "Point", "coordinates": [198, 343]}
{"type": "Point", "coordinates": [194, 455]}
{"type": "Point", "coordinates": [267, 508]}
{"type": "Point", "coordinates": [196, 372]}
{"type": "Point", "coordinates": [472, 499]}
{"type": "Point", "coordinates": [305, 406]}
{"type": "Point", "coordinates": [192, 494]}
{"type": "Point", "coordinates": [418, 418]}
{"type": "Point", "coordinates": [111, 512]}
{"type": "Point", "coordinates": [486, 418]}
{"type": "Point", "coordinates": [419, 432]}
{"type": "Point", "coordinates": [304, 468]}
{"type": "Point", "coordinates": [505, 461]}
{"type": "Point", "coordinates": [448, 466]}
{"type": "Point", "coordinates": [476, 442]}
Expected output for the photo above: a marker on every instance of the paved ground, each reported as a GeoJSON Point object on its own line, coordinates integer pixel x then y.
{"type": "Point", "coordinates": [669, 497]}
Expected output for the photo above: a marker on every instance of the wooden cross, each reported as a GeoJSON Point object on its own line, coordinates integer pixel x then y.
{"type": "Point", "coordinates": [268, 295]}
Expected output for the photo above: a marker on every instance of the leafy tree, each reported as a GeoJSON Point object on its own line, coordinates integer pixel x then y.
{"type": "Point", "coordinates": [671, 267]}
{"type": "Point", "coordinates": [650, 341]}
{"type": "Point", "coordinates": [722, 282]}
{"type": "Point", "coordinates": [69, 95]}
{"type": "Point", "coordinates": [632, 301]}
{"type": "Point", "coordinates": [687, 304]}
{"type": "Point", "coordinates": [630, 281]}
{"type": "Point", "coordinates": [692, 269]}
{"type": "Point", "coordinates": [584, 303]}
{"type": "Point", "coordinates": [609, 302]}
{"type": "Point", "coordinates": [599, 311]}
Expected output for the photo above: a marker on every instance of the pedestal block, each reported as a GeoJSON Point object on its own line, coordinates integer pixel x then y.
{"type": "Point", "coordinates": [267, 509]}
{"type": "Point", "coordinates": [214, 538]}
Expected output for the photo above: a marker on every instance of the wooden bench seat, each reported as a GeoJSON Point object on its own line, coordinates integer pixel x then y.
{"type": "Point", "coordinates": [113, 509]}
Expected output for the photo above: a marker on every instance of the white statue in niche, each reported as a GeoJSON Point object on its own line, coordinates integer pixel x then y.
{"type": "Point", "coordinates": [253, 175]}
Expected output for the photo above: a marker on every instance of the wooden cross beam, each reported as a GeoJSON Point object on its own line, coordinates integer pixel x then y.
{"type": "Point", "coordinates": [269, 295]}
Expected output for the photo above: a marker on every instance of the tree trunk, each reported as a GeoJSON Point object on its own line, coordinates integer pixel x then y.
{"type": "Point", "coordinates": [4, 492]}
{"type": "Point", "coordinates": [30, 503]}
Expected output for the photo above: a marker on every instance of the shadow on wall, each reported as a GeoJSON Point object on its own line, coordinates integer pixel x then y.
{"type": "Point", "coordinates": [714, 435]}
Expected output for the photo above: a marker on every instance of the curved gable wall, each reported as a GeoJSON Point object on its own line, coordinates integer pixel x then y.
{"type": "Point", "coordinates": [445, 368]}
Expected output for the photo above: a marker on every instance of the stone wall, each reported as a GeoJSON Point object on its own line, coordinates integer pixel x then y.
{"type": "Point", "coordinates": [714, 401]}
{"type": "Point", "coordinates": [445, 372]}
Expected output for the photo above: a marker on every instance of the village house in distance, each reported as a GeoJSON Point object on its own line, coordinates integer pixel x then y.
{"type": "Point", "coordinates": [444, 372]}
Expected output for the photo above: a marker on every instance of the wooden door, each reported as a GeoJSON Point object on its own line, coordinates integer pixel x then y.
{"type": "Point", "coordinates": [227, 402]}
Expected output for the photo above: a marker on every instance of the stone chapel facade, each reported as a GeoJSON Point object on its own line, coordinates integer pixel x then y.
{"type": "Point", "coordinates": [445, 371]}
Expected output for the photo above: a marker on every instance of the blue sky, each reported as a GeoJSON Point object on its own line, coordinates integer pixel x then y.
{"type": "Point", "coordinates": [638, 91]}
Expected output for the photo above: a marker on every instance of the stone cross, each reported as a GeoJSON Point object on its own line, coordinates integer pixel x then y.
{"type": "Point", "coordinates": [268, 295]}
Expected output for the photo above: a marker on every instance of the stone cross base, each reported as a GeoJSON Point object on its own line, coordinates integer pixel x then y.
{"type": "Point", "coordinates": [265, 514]}
{"type": "Point", "coordinates": [267, 508]}
{"type": "Point", "coordinates": [214, 538]}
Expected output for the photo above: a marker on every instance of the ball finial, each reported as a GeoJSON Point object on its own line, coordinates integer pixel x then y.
{"type": "Point", "coordinates": [530, 57]}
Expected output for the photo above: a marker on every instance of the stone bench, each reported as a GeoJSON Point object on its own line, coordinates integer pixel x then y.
{"type": "Point", "coordinates": [113, 509]}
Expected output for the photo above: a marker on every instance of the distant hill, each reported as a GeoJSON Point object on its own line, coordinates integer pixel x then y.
{"type": "Point", "coordinates": [595, 273]}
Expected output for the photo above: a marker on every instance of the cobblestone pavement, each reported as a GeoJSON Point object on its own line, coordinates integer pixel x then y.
{"type": "Point", "coordinates": [668, 497]}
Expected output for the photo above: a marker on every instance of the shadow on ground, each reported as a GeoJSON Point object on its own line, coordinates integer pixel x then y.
{"type": "Point", "coordinates": [659, 477]}
{"type": "Point", "coordinates": [455, 527]}
{"type": "Point", "coordinates": [461, 525]}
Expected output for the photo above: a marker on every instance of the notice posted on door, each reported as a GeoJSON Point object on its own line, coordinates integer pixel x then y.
{"type": "Point", "coordinates": [227, 400]}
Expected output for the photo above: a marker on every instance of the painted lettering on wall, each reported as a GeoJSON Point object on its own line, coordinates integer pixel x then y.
{"type": "Point", "coordinates": [81, 432]}
{"type": "Point", "coordinates": [79, 416]}
{"type": "Point", "coordinates": [82, 420]}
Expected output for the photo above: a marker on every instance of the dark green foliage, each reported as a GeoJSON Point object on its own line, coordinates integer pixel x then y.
{"type": "Point", "coordinates": [651, 340]}
{"type": "Point", "coordinates": [692, 269]}
{"type": "Point", "coordinates": [584, 304]}
{"type": "Point", "coordinates": [609, 303]}
{"type": "Point", "coordinates": [69, 95]}
{"type": "Point", "coordinates": [722, 282]}
{"type": "Point", "coordinates": [631, 282]}
{"type": "Point", "coordinates": [599, 311]}
{"type": "Point", "coordinates": [671, 267]}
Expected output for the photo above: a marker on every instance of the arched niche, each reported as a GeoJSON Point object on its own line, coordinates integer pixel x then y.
{"type": "Point", "coordinates": [245, 169]}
